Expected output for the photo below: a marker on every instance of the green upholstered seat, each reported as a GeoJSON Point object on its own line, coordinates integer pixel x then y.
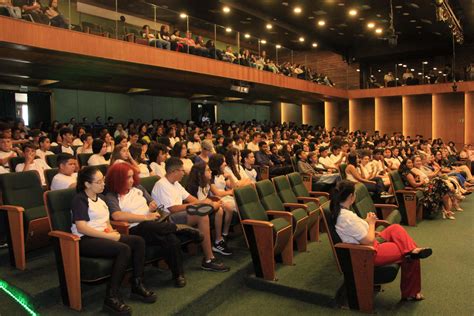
{"type": "Point", "coordinates": [279, 224]}
{"type": "Point", "coordinates": [13, 162]}
{"type": "Point", "coordinates": [49, 175]}
{"type": "Point", "coordinates": [364, 205]}
{"type": "Point", "coordinates": [149, 182]}
{"type": "Point", "coordinates": [398, 184]}
{"type": "Point", "coordinates": [298, 187]}
{"type": "Point", "coordinates": [95, 269]}
{"type": "Point", "coordinates": [52, 161]}
{"type": "Point", "coordinates": [83, 159]}
{"type": "Point", "coordinates": [342, 170]}
{"type": "Point", "coordinates": [59, 209]}
{"type": "Point", "coordinates": [286, 193]}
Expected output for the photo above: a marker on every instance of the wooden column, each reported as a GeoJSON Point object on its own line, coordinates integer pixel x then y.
{"type": "Point", "coordinates": [469, 117]}
{"type": "Point", "coordinates": [388, 115]}
{"type": "Point", "coordinates": [362, 115]}
{"type": "Point", "coordinates": [313, 114]}
{"type": "Point", "coordinates": [448, 117]}
{"type": "Point", "coordinates": [336, 114]}
{"type": "Point", "coordinates": [291, 113]}
{"type": "Point", "coordinates": [417, 115]}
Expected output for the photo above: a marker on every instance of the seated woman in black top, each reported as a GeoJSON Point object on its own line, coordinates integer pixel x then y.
{"type": "Point", "coordinates": [90, 216]}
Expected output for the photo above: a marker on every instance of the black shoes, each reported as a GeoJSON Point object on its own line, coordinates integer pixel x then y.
{"type": "Point", "coordinates": [190, 232]}
{"type": "Point", "coordinates": [180, 281]}
{"type": "Point", "coordinates": [422, 254]}
{"type": "Point", "coordinates": [222, 248]}
{"type": "Point", "coordinates": [214, 265]}
{"type": "Point", "coordinates": [114, 304]}
{"type": "Point", "coordinates": [140, 292]}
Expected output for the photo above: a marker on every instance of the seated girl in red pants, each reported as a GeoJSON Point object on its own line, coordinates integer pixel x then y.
{"type": "Point", "coordinates": [398, 247]}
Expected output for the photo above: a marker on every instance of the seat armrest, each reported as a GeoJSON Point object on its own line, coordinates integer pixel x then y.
{"type": "Point", "coordinates": [280, 214]}
{"type": "Point", "coordinates": [295, 205]}
{"type": "Point", "coordinates": [253, 222]}
{"type": "Point", "coordinates": [355, 247]}
{"type": "Point", "coordinates": [308, 199]}
{"type": "Point", "coordinates": [389, 206]}
{"type": "Point", "coordinates": [382, 223]}
{"type": "Point", "coordinates": [121, 226]}
{"type": "Point", "coordinates": [64, 235]}
{"type": "Point", "coordinates": [318, 193]}
{"type": "Point", "coordinates": [410, 192]}
{"type": "Point", "coordinates": [12, 208]}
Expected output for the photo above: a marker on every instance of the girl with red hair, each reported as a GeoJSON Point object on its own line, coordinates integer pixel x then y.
{"type": "Point", "coordinates": [129, 201]}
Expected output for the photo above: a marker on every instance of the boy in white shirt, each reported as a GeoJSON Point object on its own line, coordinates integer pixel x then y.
{"type": "Point", "coordinates": [66, 140]}
{"type": "Point", "coordinates": [7, 151]}
{"type": "Point", "coordinates": [32, 163]}
{"type": "Point", "coordinates": [44, 146]}
{"type": "Point", "coordinates": [66, 177]}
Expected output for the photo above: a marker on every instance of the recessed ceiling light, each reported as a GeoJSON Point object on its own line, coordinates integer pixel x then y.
{"type": "Point", "coordinates": [321, 23]}
{"type": "Point", "coordinates": [419, 27]}
{"type": "Point", "coordinates": [226, 9]}
{"type": "Point", "coordinates": [247, 35]}
{"type": "Point", "coordinates": [358, 70]}
{"type": "Point", "coordinates": [400, 65]}
{"type": "Point", "coordinates": [380, 70]}
{"type": "Point", "coordinates": [315, 44]}
{"type": "Point", "coordinates": [419, 74]}
{"type": "Point", "coordinates": [228, 29]}
{"type": "Point", "coordinates": [413, 69]}
{"type": "Point", "coordinates": [371, 25]}
{"type": "Point", "coordinates": [183, 15]}
{"type": "Point", "coordinates": [440, 72]}
{"type": "Point", "coordinates": [278, 46]}
{"type": "Point", "coordinates": [269, 26]}
{"type": "Point", "coordinates": [297, 10]}
{"type": "Point", "coordinates": [301, 39]}
{"type": "Point", "coordinates": [404, 66]}
{"type": "Point", "coordinates": [425, 63]}
{"type": "Point", "coordinates": [406, 13]}
{"type": "Point", "coordinates": [341, 4]}
{"type": "Point", "coordinates": [263, 42]}
{"type": "Point", "coordinates": [434, 68]}
{"type": "Point", "coordinates": [353, 12]}
{"type": "Point", "coordinates": [379, 31]}
{"type": "Point", "coordinates": [284, 4]}
{"type": "Point", "coordinates": [412, 21]}
{"type": "Point", "coordinates": [398, 7]}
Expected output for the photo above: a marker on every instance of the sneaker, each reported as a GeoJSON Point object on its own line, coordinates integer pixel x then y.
{"type": "Point", "coordinates": [222, 248]}
{"type": "Point", "coordinates": [3, 245]}
{"type": "Point", "coordinates": [189, 232]}
{"type": "Point", "coordinates": [214, 265]}
{"type": "Point", "coordinates": [385, 195]}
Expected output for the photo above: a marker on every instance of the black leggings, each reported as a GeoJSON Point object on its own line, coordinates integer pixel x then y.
{"type": "Point", "coordinates": [120, 251]}
{"type": "Point", "coordinates": [162, 235]}
{"type": "Point", "coordinates": [376, 188]}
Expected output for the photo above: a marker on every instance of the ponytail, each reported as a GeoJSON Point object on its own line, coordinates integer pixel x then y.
{"type": "Point", "coordinates": [341, 192]}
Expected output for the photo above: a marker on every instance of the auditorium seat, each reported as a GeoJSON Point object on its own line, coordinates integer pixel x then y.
{"type": "Point", "coordinates": [52, 161]}
{"type": "Point", "coordinates": [95, 29]}
{"type": "Point", "coordinates": [24, 213]}
{"type": "Point", "coordinates": [357, 264]}
{"type": "Point", "coordinates": [83, 159]}
{"type": "Point", "coordinates": [310, 204]}
{"type": "Point", "coordinates": [267, 233]}
{"type": "Point", "coordinates": [364, 204]}
{"type": "Point", "coordinates": [407, 199]}
{"type": "Point", "coordinates": [13, 162]}
{"type": "Point", "coordinates": [149, 182]}
{"type": "Point", "coordinates": [271, 202]}
{"type": "Point", "coordinates": [49, 175]}
{"type": "Point", "coordinates": [342, 170]}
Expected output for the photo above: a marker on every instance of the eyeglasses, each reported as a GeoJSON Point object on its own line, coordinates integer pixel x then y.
{"type": "Point", "coordinates": [99, 182]}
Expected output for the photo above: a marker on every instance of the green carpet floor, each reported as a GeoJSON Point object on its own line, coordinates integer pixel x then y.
{"type": "Point", "coordinates": [307, 288]}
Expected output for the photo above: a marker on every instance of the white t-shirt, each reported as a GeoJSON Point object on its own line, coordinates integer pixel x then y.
{"type": "Point", "coordinates": [350, 227]}
{"type": "Point", "coordinates": [42, 154]}
{"type": "Point", "coordinates": [252, 146]}
{"type": "Point", "coordinates": [39, 165]}
{"type": "Point", "coordinates": [96, 160]}
{"type": "Point", "coordinates": [187, 165]}
{"type": "Point", "coordinates": [134, 202]}
{"type": "Point", "coordinates": [62, 181]}
{"type": "Point", "coordinates": [144, 172]}
{"type": "Point", "coordinates": [203, 193]}
{"type": "Point", "coordinates": [158, 169]}
{"type": "Point", "coordinates": [249, 174]}
{"type": "Point", "coordinates": [194, 147]}
{"type": "Point", "coordinates": [168, 194]}
{"type": "Point", "coordinates": [81, 150]}
{"type": "Point", "coordinates": [4, 154]}
{"type": "Point", "coordinates": [327, 161]}
{"type": "Point", "coordinates": [67, 150]}
{"type": "Point", "coordinates": [3, 170]}
{"type": "Point", "coordinates": [77, 142]}
{"type": "Point", "coordinates": [240, 170]}
{"type": "Point", "coordinates": [219, 182]}
{"type": "Point", "coordinates": [95, 213]}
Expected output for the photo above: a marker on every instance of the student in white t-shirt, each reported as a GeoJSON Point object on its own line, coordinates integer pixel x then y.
{"type": "Point", "coordinates": [32, 163]}
{"type": "Point", "coordinates": [169, 193]}
{"type": "Point", "coordinates": [234, 169]}
{"type": "Point", "coordinates": [248, 160]}
{"type": "Point", "coordinates": [325, 160]}
{"type": "Point", "coordinates": [86, 147]}
{"type": "Point", "coordinates": [7, 151]}
{"type": "Point", "coordinates": [66, 140]}
{"type": "Point", "coordinates": [158, 153]}
{"type": "Point", "coordinates": [181, 151]}
{"type": "Point", "coordinates": [66, 177]}
{"type": "Point", "coordinates": [44, 146]}
{"type": "Point", "coordinates": [99, 147]}
{"type": "Point", "coordinates": [253, 145]}
{"type": "Point", "coordinates": [136, 154]}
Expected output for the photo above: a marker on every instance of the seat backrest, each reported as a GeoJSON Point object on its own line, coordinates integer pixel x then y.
{"type": "Point", "coordinates": [363, 203]}
{"type": "Point", "coordinates": [283, 188]}
{"type": "Point", "coordinates": [149, 182]}
{"type": "Point", "coordinates": [294, 163]}
{"type": "Point", "coordinates": [342, 170]}
{"type": "Point", "coordinates": [52, 161]}
{"type": "Point", "coordinates": [248, 204]}
{"type": "Point", "coordinates": [58, 206]}
{"type": "Point", "coordinates": [268, 196]}
{"type": "Point", "coordinates": [331, 225]}
{"type": "Point", "coordinates": [49, 175]}
{"type": "Point", "coordinates": [13, 162]}
{"type": "Point", "coordinates": [83, 158]}
{"type": "Point", "coordinates": [22, 189]}
{"type": "Point", "coordinates": [396, 180]}
{"type": "Point", "coordinates": [102, 168]}
{"type": "Point", "coordinates": [296, 182]}
{"type": "Point", "coordinates": [184, 181]}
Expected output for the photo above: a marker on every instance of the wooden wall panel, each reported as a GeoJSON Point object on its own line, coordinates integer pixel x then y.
{"type": "Point", "coordinates": [336, 114]}
{"type": "Point", "coordinates": [362, 115]}
{"type": "Point", "coordinates": [417, 115]}
{"type": "Point", "coordinates": [469, 117]}
{"type": "Point", "coordinates": [388, 115]}
{"type": "Point", "coordinates": [448, 117]}
{"type": "Point", "coordinates": [313, 114]}
{"type": "Point", "coordinates": [291, 113]}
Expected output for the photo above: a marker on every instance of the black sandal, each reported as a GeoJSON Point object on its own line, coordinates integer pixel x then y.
{"type": "Point", "coordinates": [201, 209]}
{"type": "Point", "coordinates": [422, 254]}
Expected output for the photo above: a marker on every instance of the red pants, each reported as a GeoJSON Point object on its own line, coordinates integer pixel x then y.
{"type": "Point", "coordinates": [397, 244]}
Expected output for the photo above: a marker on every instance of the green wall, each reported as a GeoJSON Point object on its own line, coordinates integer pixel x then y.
{"type": "Point", "coordinates": [79, 103]}
{"type": "Point", "coordinates": [242, 112]}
